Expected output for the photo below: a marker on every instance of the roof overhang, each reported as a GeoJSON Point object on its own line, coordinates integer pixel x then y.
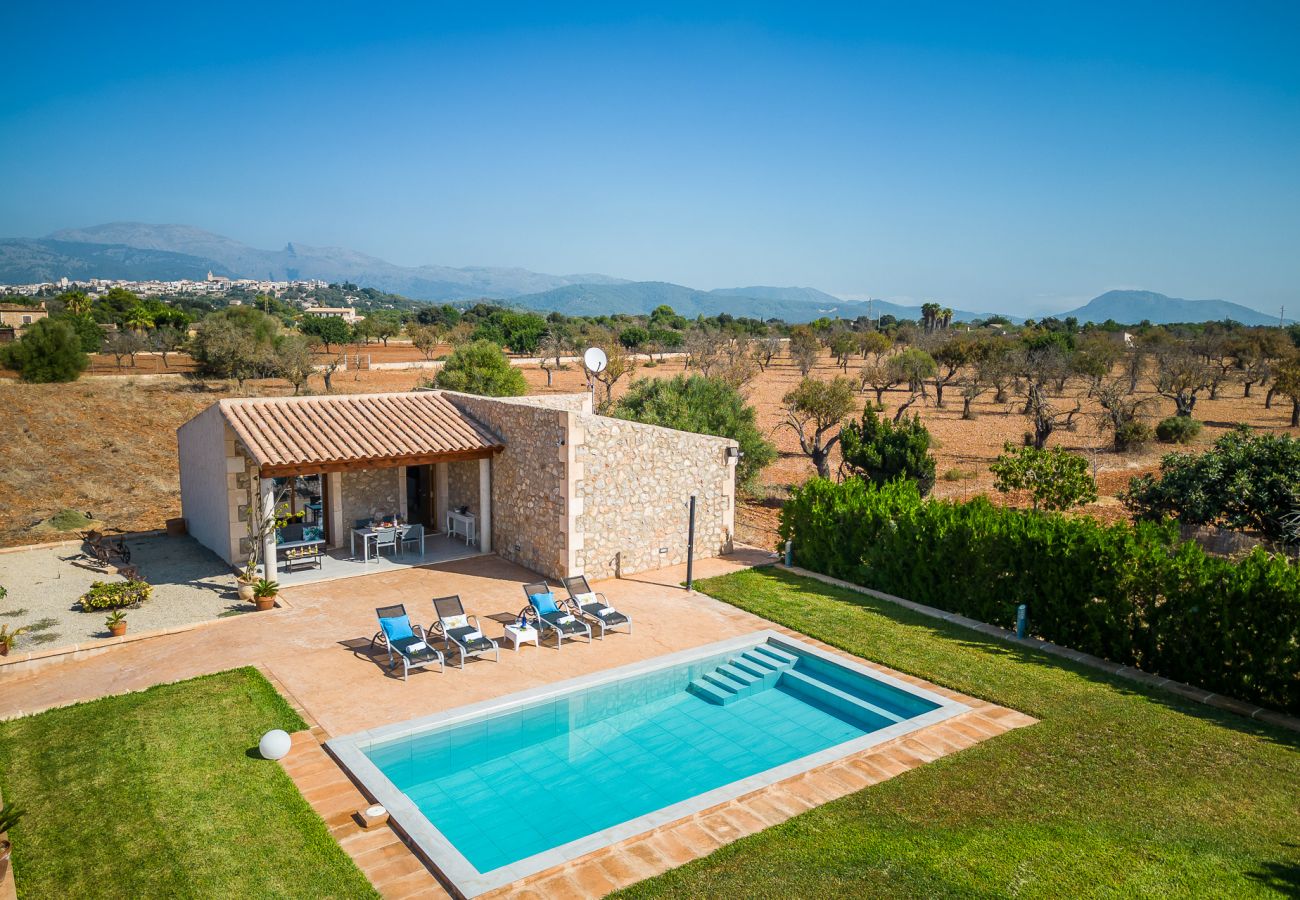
{"type": "Point", "coordinates": [339, 433]}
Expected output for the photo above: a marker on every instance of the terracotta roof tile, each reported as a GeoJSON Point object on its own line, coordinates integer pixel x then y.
{"type": "Point", "coordinates": [306, 431]}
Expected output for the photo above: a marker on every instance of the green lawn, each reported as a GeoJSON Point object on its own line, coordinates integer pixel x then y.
{"type": "Point", "coordinates": [1117, 792]}
{"type": "Point", "coordinates": [162, 794]}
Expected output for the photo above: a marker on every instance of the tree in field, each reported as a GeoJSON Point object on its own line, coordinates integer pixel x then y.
{"type": "Point", "coordinates": [552, 352]}
{"type": "Point", "coordinates": [703, 347]}
{"type": "Point", "coordinates": [48, 351]}
{"type": "Point", "coordinates": [1286, 381]}
{"type": "Point", "coordinates": [237, 342]}
{"type": "Point", "coordinates": [913, 366]}
{"type": "Point", "coordinates": [329, 330]}
{"type": "Point", "coordinates": [296, 362]}
{"type": "Point", "coordinates": [383, 324]}
{"type": "Point", "coordinates": [736, 364]}
{"type": "Point", "coordinates": [950, 356]}
{"type": "Point", "coordinates": [843, 344]}
{"type": "Point", "coordinates": [1054, 478]}
{"type": "Point", "coordinates": [617, 364]}
{"type": "Point", "coordinates": [1257, 353]}
{"type": "Point", "coordinates": [1180, 376]}
{"type": "Point", "coordinates": [1045, 417]}
{"type": "Point", "coordinates": [766, 350]}
{"type": "Point", "coordinates": [1094, 357]}
{"type": "Point", "coordinates": [880, 451]}
{"type": "Point", "coordinates": [166, 340]}
{"type": "Point", "coordinates": [123, 343]}
{"type": "Point", "coordinates": [223, 349]}
{"type": "Point", "coordinates": [812, 411]}
{"type": "Point", "coordinates": [702, 406]}
{"type": "Point", "coordinates": [878, 376]}
{"type": "Point", "coordinates": [87, 329]}
{"type": "Point", "coordinates": [804, 349]}
{"type": "Point", "coordinates": [1247, 482]}
{"type": "Point", "coordinates": [481, 367]}
{"type": "Point", "coordinates": [930, 313]}
{"type": "Point", "coordinates": [425, 338]}
{"type": "Point", "coordinates": [873, 344]}
{"type": "Point", "coordinates": [1122, 414]}
{"type": "Point", "coordinates": [634, 337]}
{"type": "Point", "coordinates": [663, 340]}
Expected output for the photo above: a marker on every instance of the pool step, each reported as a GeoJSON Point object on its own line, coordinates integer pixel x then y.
{"type": "Point", "coordinates": [855, 707]}
{"type": "Point", "coordinates": [742, 675]}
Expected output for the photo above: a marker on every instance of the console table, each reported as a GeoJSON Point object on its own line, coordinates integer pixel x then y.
{"type": "Point", "coordinates": [465, 524]}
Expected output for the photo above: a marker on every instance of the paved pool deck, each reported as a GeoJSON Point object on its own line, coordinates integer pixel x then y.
{"type": "Point", "coordinates": [316, 651]}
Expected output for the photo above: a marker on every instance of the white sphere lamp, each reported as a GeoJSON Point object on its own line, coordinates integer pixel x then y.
{"type": "Point", "coordinates": [274, 744]}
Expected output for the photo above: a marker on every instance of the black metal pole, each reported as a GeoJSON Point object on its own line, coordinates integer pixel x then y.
{"type": "Point", "coordinates": [690, 547]}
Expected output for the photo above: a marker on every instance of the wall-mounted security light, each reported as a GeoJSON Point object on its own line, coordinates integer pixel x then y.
{"type": "Point", "coordinates": [734, 453]}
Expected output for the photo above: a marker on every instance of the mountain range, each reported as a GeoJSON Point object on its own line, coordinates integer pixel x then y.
{"type": "Point", "coordinates": [1132, 307]}
{"type": "Point", "coordinates": [141, 252]}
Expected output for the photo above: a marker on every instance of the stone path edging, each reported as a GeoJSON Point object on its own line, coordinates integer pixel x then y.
{"type": "Point", "coordinates": [1186, 691]}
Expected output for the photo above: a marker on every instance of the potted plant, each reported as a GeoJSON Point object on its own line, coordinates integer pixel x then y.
{"type": "Point", "coordinates": [8, 638]}
{"type": "Point", "coordinates": [9, 816]}
{"type": "Point", "coordinates": [264, 594]}
{"type": "Point", "coordinates": [247, 579]}
{"type": "Point", "coordinates": [116, 623]}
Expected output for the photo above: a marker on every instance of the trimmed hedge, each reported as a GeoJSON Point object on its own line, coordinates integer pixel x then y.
{"type": "Point", "coordinates": [1135, 595]}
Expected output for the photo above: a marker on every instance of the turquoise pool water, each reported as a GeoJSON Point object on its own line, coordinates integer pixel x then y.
{"type": "Point", "coordinates": [510, 785]}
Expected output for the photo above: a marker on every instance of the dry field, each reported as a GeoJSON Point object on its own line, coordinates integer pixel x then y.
{"type": "Point", "coordinates": [107, 446]}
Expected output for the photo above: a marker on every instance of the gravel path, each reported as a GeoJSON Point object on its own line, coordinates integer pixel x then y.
{"type": "Point", "coordinates": [190, 584]}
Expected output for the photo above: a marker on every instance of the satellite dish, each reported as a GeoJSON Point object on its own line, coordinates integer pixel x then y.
{"type": "Point", "coordinates": [595, 360]}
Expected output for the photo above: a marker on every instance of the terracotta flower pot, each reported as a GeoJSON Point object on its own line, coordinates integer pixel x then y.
{"type": "Point", "coordinates": [117, 630]}
{"type": "Point", "coordinates": [5, 849]}
{"type": "Point", "coordinates": [4, 649]}
{"type": "Point", "coordinates": [264, 603]}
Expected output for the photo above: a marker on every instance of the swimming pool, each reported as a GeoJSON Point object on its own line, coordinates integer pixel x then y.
{"type": "Point", "coordinates": [499, 790]}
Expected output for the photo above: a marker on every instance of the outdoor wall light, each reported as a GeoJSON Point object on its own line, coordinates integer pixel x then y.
{"type": "Point", "coordinates": [274, 744]}
{"type": "Point", "coordinates": [734, 453]}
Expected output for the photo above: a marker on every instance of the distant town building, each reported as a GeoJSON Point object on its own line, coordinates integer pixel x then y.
{"type": "Point", "coordinates": [14, 317]}
{"type": "Point", "coordinates": [346, 313]}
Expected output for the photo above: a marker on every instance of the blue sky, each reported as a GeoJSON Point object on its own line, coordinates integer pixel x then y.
{"type": "Point", "coordinates": [1017, 156]}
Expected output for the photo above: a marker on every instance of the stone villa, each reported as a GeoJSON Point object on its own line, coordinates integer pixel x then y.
{"type": "Point", "coordinates": [542, 481]}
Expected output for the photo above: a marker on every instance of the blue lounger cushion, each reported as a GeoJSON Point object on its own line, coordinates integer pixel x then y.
{"type": "Point", "coordinates": [397, 628]}
{"type": "Point", "coordinates": [543, 603]}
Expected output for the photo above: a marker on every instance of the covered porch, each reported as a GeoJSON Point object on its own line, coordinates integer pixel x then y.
{"type": "Point", "coordinates": [363, 484]}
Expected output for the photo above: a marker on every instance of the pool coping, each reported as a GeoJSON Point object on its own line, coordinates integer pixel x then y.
{"type": "Point", "coordinates": [468, 881]}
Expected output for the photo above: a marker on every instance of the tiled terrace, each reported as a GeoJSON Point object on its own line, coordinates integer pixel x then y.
{"type": "Point", "coordinates": [342, 563]}
{"type": "Point", "coordinates": [316, 651]}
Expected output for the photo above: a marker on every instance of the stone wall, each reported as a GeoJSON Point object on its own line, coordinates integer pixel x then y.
{"type": "Point", "coordinates": [530, 477]}
{"type": "Point", "coordinates": [462, 486]}
{"type": "Point", "coordinates": [634, 486]}
{"type": "Point", "coordinates": [367, 492]}
{"type": "Point", "coordinates": [575, 493]}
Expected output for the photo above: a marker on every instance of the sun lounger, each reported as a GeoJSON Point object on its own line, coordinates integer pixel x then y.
{"type": "Point", "coordinates": [595, 607]}
{"type": "Point", "coordinates": [550, 614]}
{"type": "Point", "coordinates": [404, 641]}
{"type": "Point", "coordinates": [462, 630]}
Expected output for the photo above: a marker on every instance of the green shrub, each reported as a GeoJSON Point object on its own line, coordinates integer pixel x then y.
{"type": "Point", "coordinates": [881, 451]}
{"type": "Point", "coordinates": [1132, 435]}
{"type": "Point", "coordinates": [1054, 478]}
{"type": "Point", "coordinates": [481, 368]}
{"type": "Point", "coordinates": [700, 405]}
{"type": "Point", "coordinates": [1247, 482]}
{"type": "Point", "coordinates": [1134, 595]}
{"type": "Point", "coordinates": [49, 350]}
{"type": "Point", "coordinates": [957, 475]}
{"type": "Point", "coordinates": [115, 595]}
{"type": "Point", "coordinates": [1178, 430]}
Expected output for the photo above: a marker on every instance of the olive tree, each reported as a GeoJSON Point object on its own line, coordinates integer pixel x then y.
{"type": "Point", "coordinates": [812, 411]}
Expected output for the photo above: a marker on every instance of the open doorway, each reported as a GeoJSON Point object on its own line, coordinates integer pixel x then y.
{"type": "Point", "coordinates": [419, 496]}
